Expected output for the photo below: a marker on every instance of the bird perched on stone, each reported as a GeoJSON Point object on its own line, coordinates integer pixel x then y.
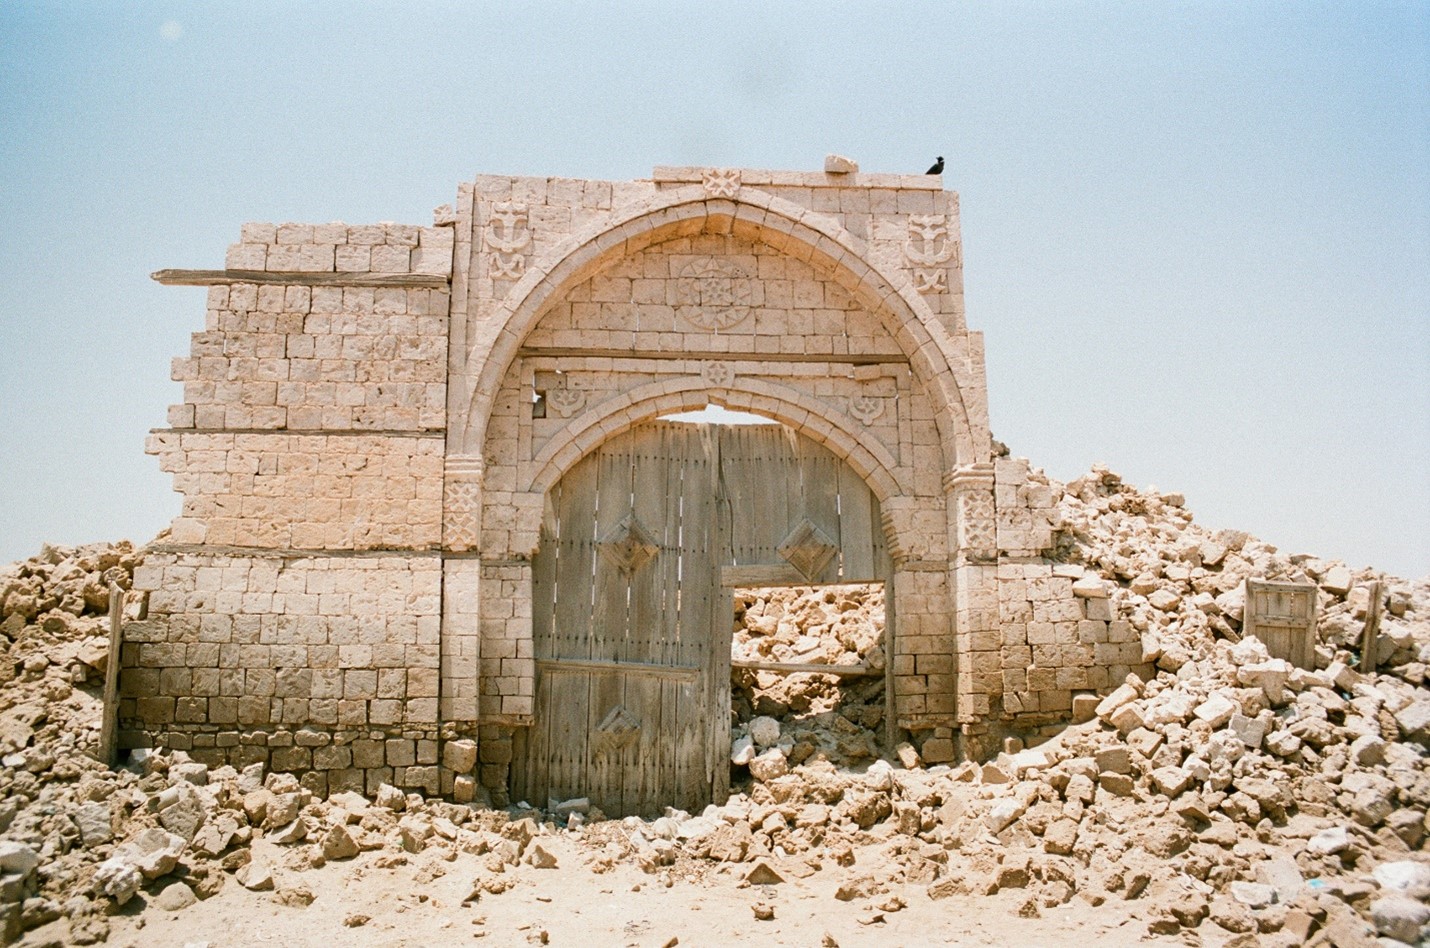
{"type": "Point", "coordinates": [937, 166]}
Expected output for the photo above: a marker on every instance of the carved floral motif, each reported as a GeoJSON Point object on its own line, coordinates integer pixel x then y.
{"type": "Point", "coordinates": [721, 182]}
{"type": "Point", "coordinates": [713, 294]}
{"type": "Point", "coordinates": [508, 237]}
{"type": "Point", "coordinates": [566, 401]}
{"type": "Point", "coordinates": [717, 374]}
{"type": "Point", "coordinates": [927, 249]}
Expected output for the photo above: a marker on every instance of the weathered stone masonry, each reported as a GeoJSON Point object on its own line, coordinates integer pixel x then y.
{"type": "Point", "coordinates": [374, 415]}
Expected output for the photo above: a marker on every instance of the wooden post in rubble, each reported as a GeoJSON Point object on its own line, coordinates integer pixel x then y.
{"type": "Point", "coordinates": [109, 727]}
{"type": "Point", "coordinates": [1368, 646]}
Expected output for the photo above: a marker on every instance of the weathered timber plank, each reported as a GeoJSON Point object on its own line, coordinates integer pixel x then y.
{"type": "Point", "coordinates": [856, 526]}
{"type": "Point", "coordinates": [645, 669]}
{"type": "Point", "coordinates": [700, 355]}
{"type": "Point", "coordinates": [800, 668]}
{"type": "Point", "coordinates": [109, 724]}
{"type": "Point", "coordinates": [298, 278]}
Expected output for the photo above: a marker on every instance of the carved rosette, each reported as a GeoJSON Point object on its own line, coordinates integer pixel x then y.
{"type": "Point", "coordinates": [508, 237]}
{"type": "Point", "coordinates": [927, 250]}
{"type": "Point", "coordinates": [717, 374]}
{"type": "Point", "coordinates": [713, 294]}
{"type": "Point", "coordinates": [461, 502]}
{"type": "Point", "coordinates": [971, 490]}
{"type": "Point", "coordinates": [721, 182]}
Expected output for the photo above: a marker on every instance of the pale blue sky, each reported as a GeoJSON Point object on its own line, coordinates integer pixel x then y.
{"type": "Point", "coordinates": [1197, 235]}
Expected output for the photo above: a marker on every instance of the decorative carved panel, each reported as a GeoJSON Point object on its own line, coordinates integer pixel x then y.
{"type": "Point", "coordinates": [508, 237]}
{"type": "Point", "coordinates": [713, 294]}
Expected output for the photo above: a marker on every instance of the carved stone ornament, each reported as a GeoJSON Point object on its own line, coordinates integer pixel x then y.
{"type": "Point", "coordinates": [566, 401]}
{"type": "Point", "coordinates": [618, 729]}
{"type": "Point", "coordinates": [808, 549]}
{"type": "Point", "coordinates": [629, 545]}
{"type": "Point", "coordinates": [717, 374]}
{"type": "Point", "coordinates": [508, 237]}
{"type": "Point", "coordinates": [461, 503]}
{"type": "Point", "coordinates": [713, 294]}
{"type": "Point", "coordinates": [866, 408]}
{"type": "Point", "coordinates": [721, 182]}
{"type": "Point", "coordinates": [927, 249]}
{"type": "Point", "coordinates": [975, 510]}
{"type": "Point", "coordinates": [443, 214]}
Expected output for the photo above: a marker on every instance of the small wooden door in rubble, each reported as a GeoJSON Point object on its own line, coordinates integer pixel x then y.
{"type": "Point", "coordinates": [631, 615]}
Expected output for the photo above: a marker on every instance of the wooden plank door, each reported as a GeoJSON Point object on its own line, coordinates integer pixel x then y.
{"type": "Point", "coordinates": [631, 622]}
{"type": "Point", "coordinates": [622, 613]}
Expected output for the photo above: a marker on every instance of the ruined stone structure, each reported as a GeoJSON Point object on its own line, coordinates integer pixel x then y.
{"type": "Point", "coordinates": [383, 426]}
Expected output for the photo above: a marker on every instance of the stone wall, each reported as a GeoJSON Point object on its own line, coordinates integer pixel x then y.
{"type": "Point", "coordinates": [373, 416]}
{"type": "Point", "coordinates": [236, 652]}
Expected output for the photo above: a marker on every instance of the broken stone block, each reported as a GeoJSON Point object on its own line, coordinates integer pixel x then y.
{"type": "Point", "coordinates": [1164, 600]}
{"type": "Point", "coordinates": [1250, 731]}
{"type": "Point", "coordinates": [154, 852]}
{"type": "Point", "coordinates": [1399, 917]}
{"type": "Point", "coordinates": [1003, 814]}
{"type": "Point", "coordinates": [1117, 760]}
{"type": "Point", "coordinates": [256, 876]}
{"type": "Point", "coordinates": [1120, 696]}
{"type": "Point", "coordinates": [838, 164]}
{"type": "Point", "coordinates": [1338, 581]}
{"type": "Point", "coordinates": [460, 756]}
{"type": "Point", "coordinates": [390, 798]}
{"type": "Point", "coordinates": [764, 731]}
{"type": "Point", "coordinates": [1127, 718]}
{"type": "Point", "coordinates": [1414, 721]}
{"type": "Point", "coordinates": [762, 873]}
{"type": "Point", "coordinates": [1090, 587]}
{"type": "Point", "coordinates": [290, 833]}
{"type": "Point", "coordinates": [338, 844]}
{"type": "Point", "coordinates": [1171, 781]}
{"type": "Point", "coordinates": [1216, 710]}
{"type": "Point", "coordinates": [1252, 894]}
{"type": "Point", "coordinates": [117, 879]}
{"type": "Point", "coordinates": [1084, 707]}
{"type": "Point", "coordinates": [908, 756]}
{"type": "Point", "coordinates": [769, 766]}
{"type": "Point", "coordinates": [1060, 837]}
{"type": "Point", "coordinates": [1282, 743]}
{"type": "Point", "coordinates": [1368, 750]}
{"type": "Point", "coordinates": [539, 857]}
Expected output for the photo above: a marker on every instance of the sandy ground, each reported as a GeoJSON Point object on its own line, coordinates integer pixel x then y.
{"type": "Point", "coordinates": [384, 899]}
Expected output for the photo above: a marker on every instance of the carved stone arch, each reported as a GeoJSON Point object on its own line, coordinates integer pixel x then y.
{"type": "Point", "coordinates": [870, 460]}
{"type": "Point", "coordinates": [935, 356]}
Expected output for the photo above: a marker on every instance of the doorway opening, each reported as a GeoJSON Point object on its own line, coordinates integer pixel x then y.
{"type": "Point", "coordinates": [786, 709]}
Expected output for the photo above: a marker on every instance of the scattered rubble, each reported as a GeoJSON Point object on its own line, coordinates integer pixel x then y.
{"type": "Point", "coordinates": [1232, 794]}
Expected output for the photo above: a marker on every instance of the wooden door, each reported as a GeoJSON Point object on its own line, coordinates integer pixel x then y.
{"type": "Point", "coordinates": [631, 622]}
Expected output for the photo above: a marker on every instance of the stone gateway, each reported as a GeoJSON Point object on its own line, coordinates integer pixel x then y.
{"type": "Point", "coordinates": [434, 533]}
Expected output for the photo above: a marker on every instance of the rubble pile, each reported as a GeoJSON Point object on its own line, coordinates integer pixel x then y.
{"type": "Point", "coordinates": [1232, 798]}
{"type": "Point", "coordinates": [837, 718]}
{"type": "Point", "coordinates": [59, 806]}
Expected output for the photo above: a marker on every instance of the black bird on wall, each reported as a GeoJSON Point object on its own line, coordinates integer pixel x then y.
{"type": "Point", "coordinates": [937, 166]}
